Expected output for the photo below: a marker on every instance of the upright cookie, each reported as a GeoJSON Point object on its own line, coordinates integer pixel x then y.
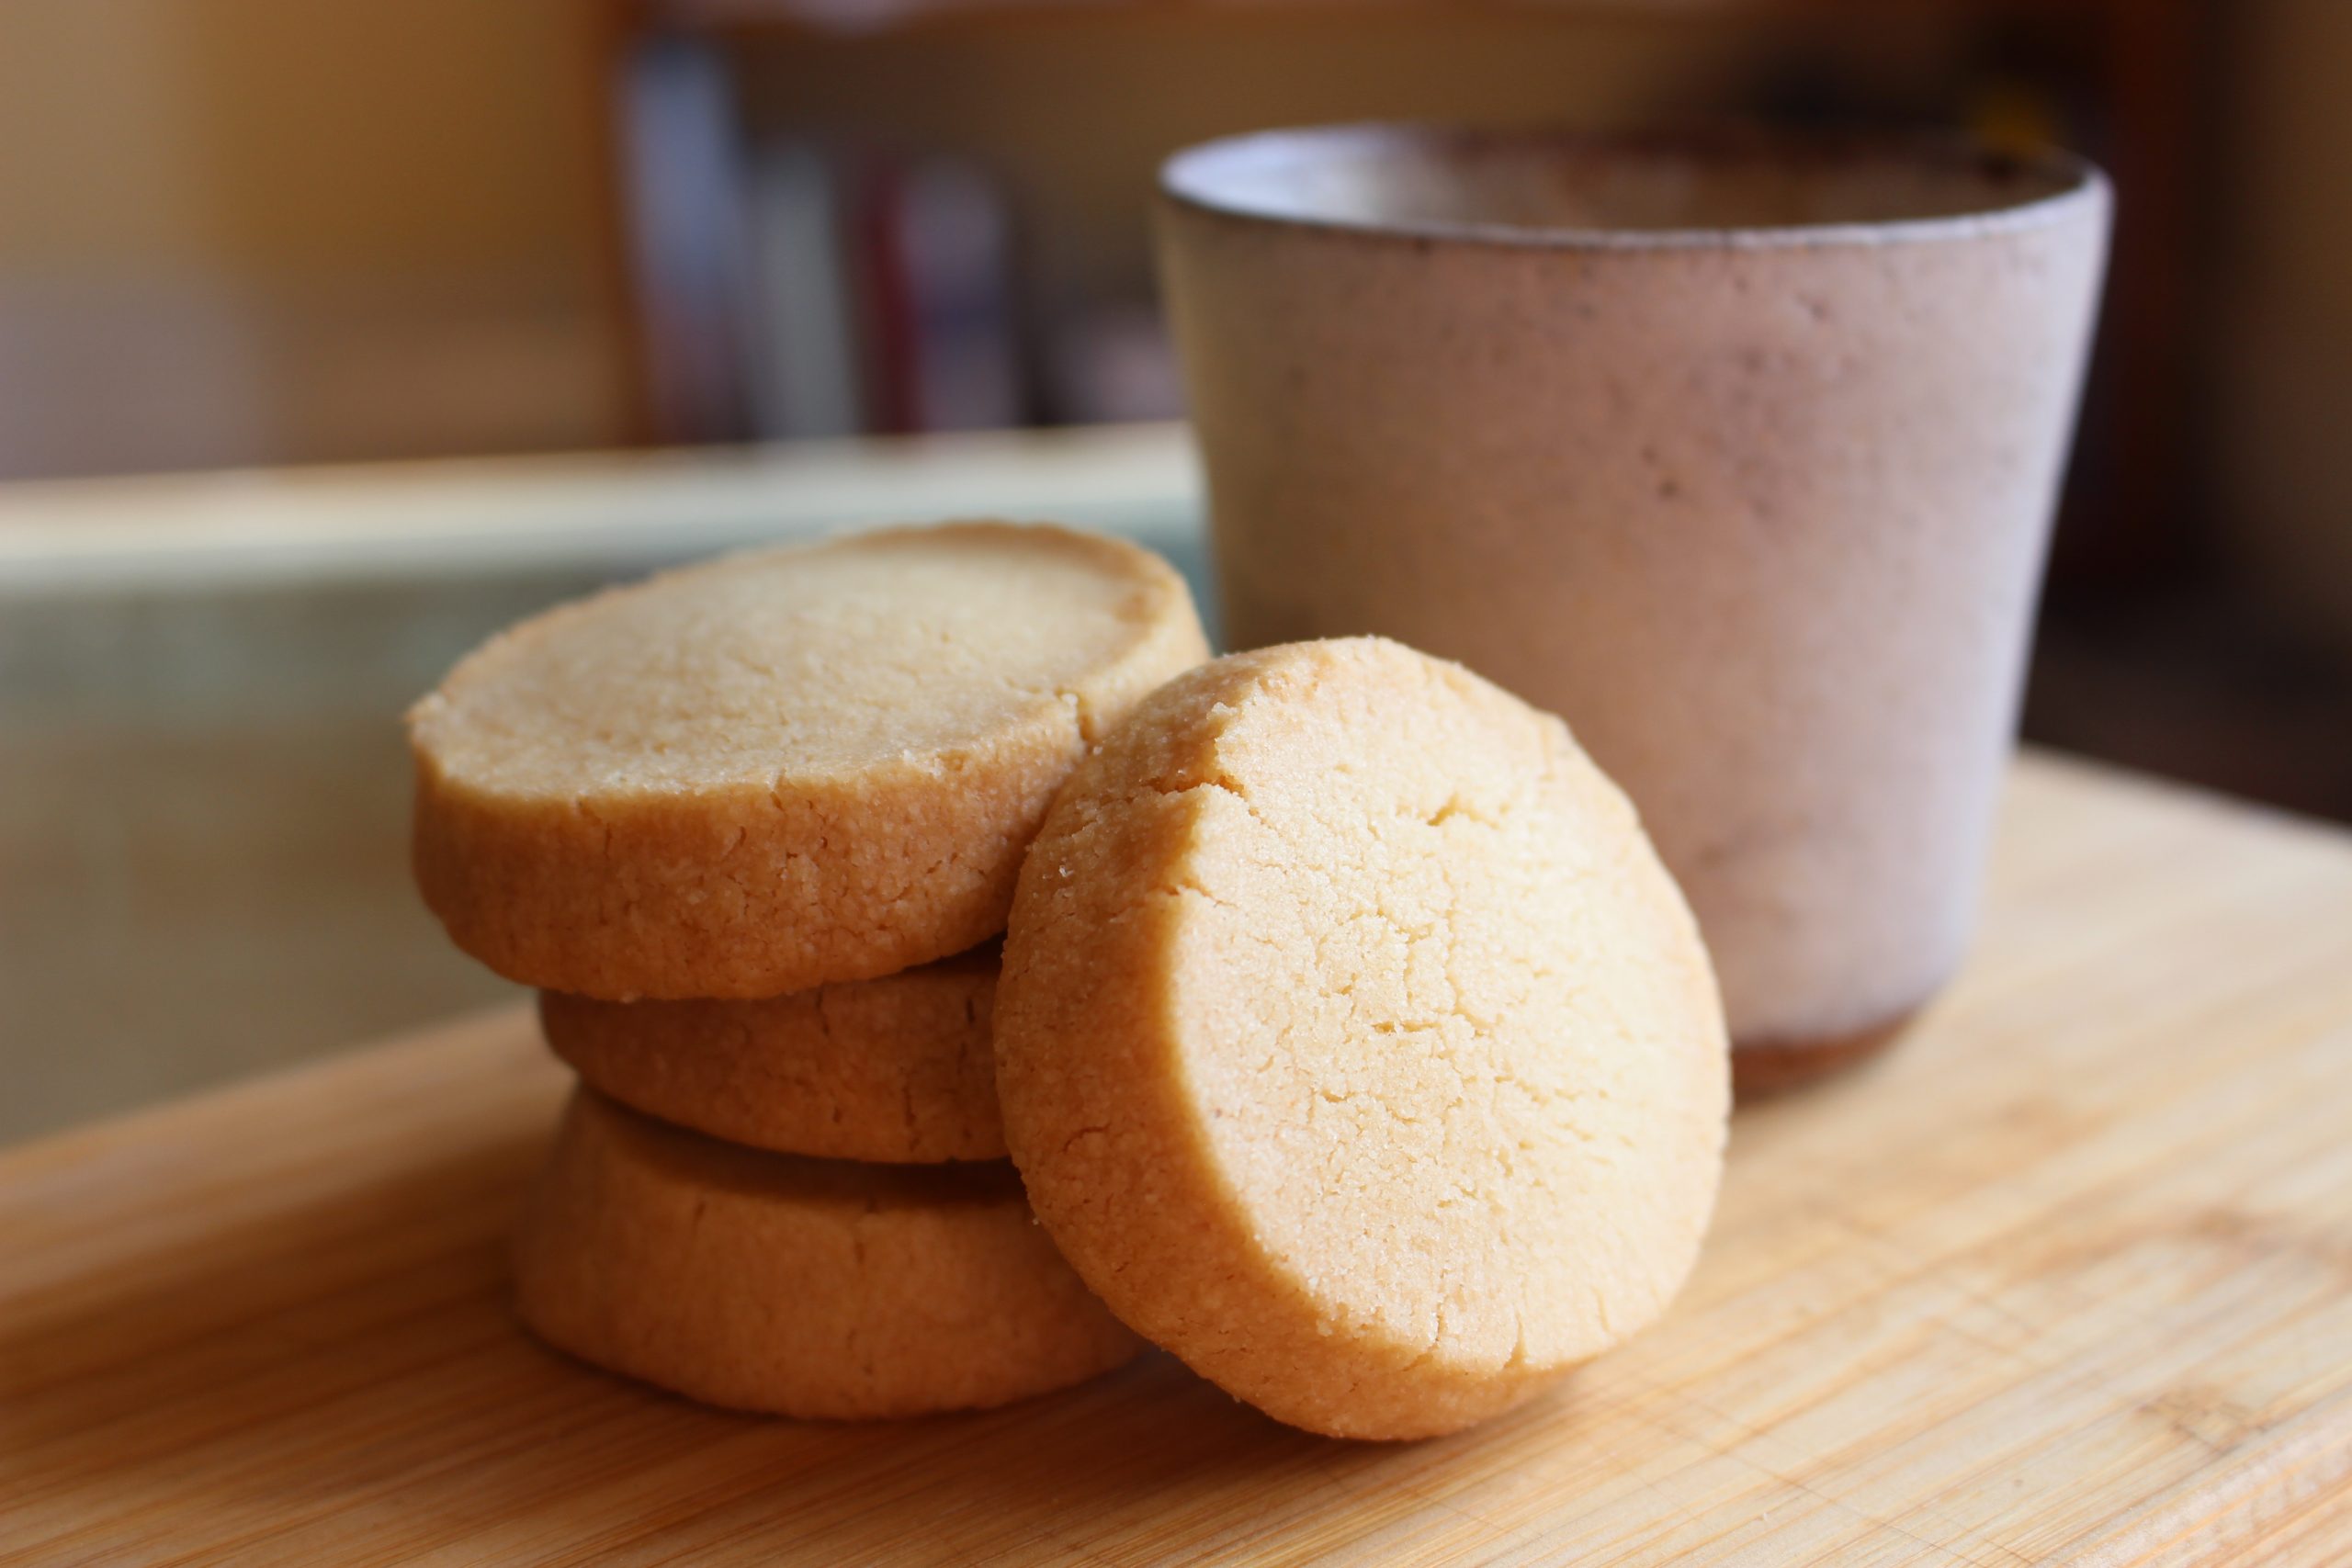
{"type": "Point", "coordinates": [1353, 1045]}
{"type": "Point", "coordinates": [811, 1288]}
{"type": "Point", "coordinates": [894, 1069]}
{"type": "Point", "coordinates": [781, 770]}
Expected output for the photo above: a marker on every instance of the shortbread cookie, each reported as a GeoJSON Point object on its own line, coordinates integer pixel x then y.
{"type": "Point", "coordinates": [1353, 1044]}
{"type": "Point", "coordinates": [781, 770]}
{"type": "Point", "coordinates": [811, 1288]}
{"type": "Point", "coordinates": [894, 1069]}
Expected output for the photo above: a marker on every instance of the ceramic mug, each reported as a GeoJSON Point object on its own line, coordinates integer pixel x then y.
{"type": "Point", "coordinates": [1738, 452]}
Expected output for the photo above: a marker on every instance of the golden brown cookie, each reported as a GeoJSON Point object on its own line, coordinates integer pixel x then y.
{"type": "Point", "coordinates": [813, 1287]}
{"type": "Point", "coordinates": [1353, 1044]}
{"type": "Point", "coordinates": [781, 770]}
{"type": "Point", "coordinates": [895, 1069]}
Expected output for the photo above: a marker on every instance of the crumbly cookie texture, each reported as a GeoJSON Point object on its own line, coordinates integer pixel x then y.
{"type": "Point", "coordinates": [781, 770]}
{"type": "Point", "coordinates": [1353, 1044]}
{"type": "Point", "coordinates": [895, 1069]}
{"type": "Point", "coordinates": [819, 1289]}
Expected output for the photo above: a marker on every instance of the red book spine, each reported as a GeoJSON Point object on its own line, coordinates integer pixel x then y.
{"type": "Point", "coordinates": [893, 406]}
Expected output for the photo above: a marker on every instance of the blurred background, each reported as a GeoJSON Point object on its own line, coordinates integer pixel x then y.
{"type": "Point", "coordinates": [834, 244]}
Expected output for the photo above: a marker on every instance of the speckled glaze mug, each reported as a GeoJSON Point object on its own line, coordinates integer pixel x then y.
{"type": "Point", "coordinates": [1738, 452]}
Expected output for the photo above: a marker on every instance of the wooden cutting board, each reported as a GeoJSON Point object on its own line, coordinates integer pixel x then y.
{"type": "Point", "coordinates": [2067, 1279]}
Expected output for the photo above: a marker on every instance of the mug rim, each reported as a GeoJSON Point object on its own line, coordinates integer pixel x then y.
{"type": "Point", "coordinates": [2079, 183]}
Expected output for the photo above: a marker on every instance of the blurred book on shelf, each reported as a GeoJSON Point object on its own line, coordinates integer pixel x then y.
{"type": "Point", "coordinates": [933, 240]}
{"type": "Point", "coordinates": [682, 178]}
{"type": "Point", "coordinates": [799, 286]}
{"type": "Point", "coordinates": [1113, 362]}
{"type": "Point", "coordinates": [798, 334]}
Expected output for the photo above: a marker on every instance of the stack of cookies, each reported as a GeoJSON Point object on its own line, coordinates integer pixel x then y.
{"type": "Point", "coordinates": [1346, 1033]}
{"type": "Point", "coordinates": [753, 829]}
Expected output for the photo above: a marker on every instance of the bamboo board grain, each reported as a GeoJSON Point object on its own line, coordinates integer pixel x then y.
{"type": "Point", "coordinates": [2067, 1279]}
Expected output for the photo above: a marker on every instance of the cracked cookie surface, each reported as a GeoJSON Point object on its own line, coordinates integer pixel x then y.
{"type": "Point", "coordinates": [820, 1289]}
{"type": "Point", "coordinates": [1354, 1045]}
{"type": "Point", "coordinates": [896, 1069]}
{"type": "Point", "coordinates": [780, 770]}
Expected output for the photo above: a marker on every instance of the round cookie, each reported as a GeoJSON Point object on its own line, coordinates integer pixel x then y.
{"type": "Point", "coordinates": [897, 1069]}
{"type": "Point", "coordinates": [812, 1288]}
{"type": "Point", "coordinates": [781, 770]}
{"type": "Point", "coordinates": [1353, 1044]}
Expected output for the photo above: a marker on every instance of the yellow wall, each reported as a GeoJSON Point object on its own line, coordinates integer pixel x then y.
{"type": "Point", "coordinates": [276, 229]}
